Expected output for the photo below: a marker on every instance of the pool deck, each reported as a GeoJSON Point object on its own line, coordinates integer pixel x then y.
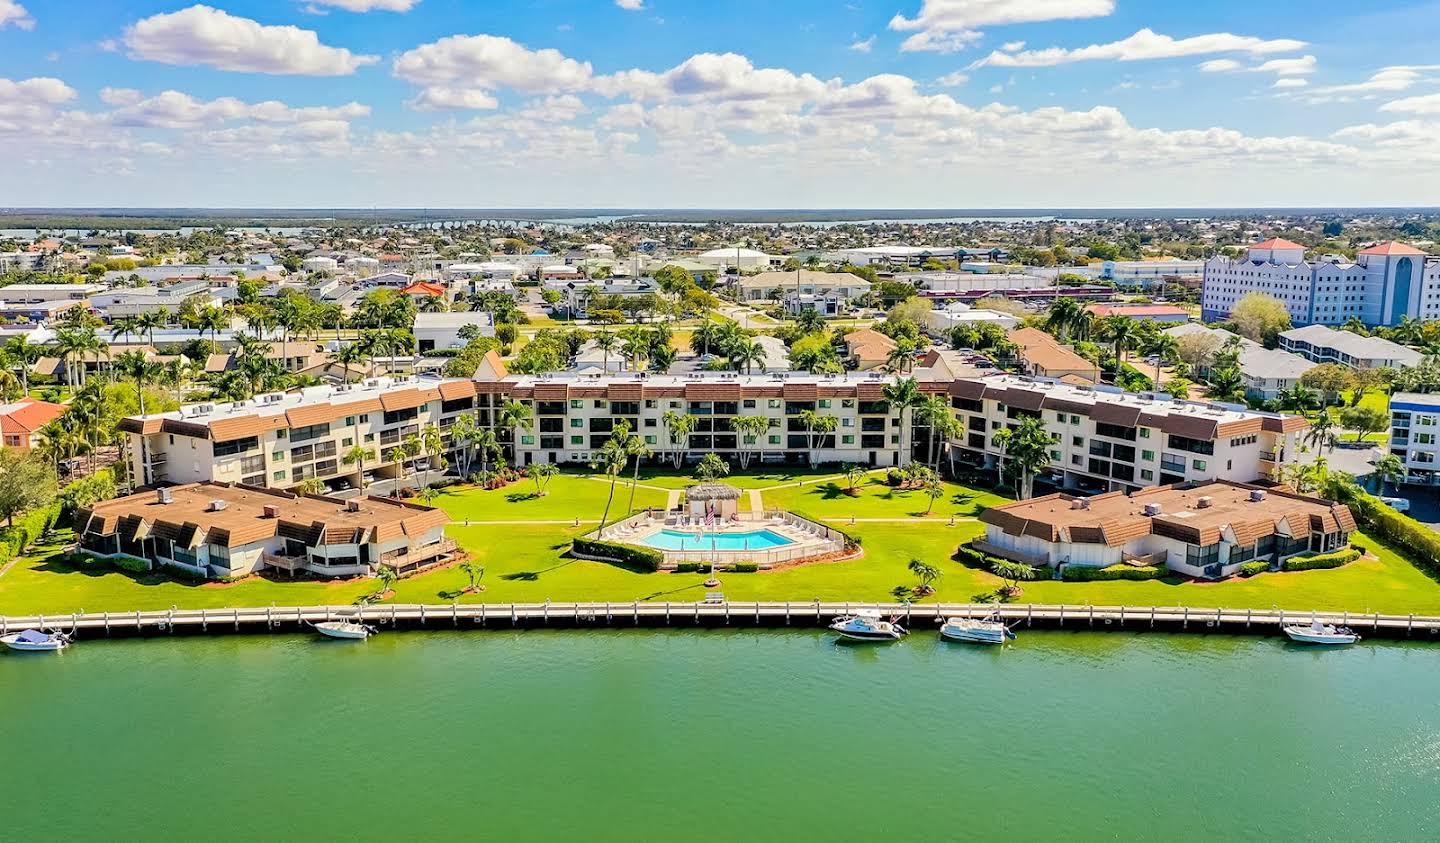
{"type": "Point", "coordinates": [805, 538]}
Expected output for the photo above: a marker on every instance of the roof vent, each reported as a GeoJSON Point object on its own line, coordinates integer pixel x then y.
{"type": "Point", "coordinates": [352, 506]}
{"type": "Point", "coordinates": [165, 496]}
{"type": "Point", "coordinates": [271, 511]}
{"type": "Point", "coordinates": [1257, 495]}
{"type": "Point", "coordinates": [1153, 509]}
{"type": "Point", "coordinates": [1204, 502]}
{"type": "Point", "coordinates": [216, 505]}
{"type": "Point", "coordinates": [1080, 503]}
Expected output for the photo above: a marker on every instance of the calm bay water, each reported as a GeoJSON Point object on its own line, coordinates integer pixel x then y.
{"type": "Point", "coordinates": [719, 735]}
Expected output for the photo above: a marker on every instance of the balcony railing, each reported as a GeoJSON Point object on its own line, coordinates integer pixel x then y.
{"type": "Point", "coordinates": [400, 561]}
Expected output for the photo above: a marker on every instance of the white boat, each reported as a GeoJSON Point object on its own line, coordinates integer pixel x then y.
{"type": "Point", "coordinates": [345, 629]}
{"type": "Point", "coordinates": [35, 641]}
{"type": "Point", "coordinates": [866, 625]}
{"type": "Point", "coordinates": [988, 631]}
{"type": "Point", "coordinates": [1321, 633]}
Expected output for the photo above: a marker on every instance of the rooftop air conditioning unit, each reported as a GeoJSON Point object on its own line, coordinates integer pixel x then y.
{"type": "Point", "coordinates": [271, 511]}
{"type": "Point", "coordinates": [1205, 502]}
{"type": "Point", "coordinates": [1080, 503]}
{"type": "Point", "coordinates": [165, 496]}
{"type": "Point", "coordinates": [1257, 495]}
{"type": "Point", "coordinates": [1153, 509]}
{"type": "Point", "coordinates": [352, 506]}
{"type": "Point", "coordinates": [202, 409]}
{"type": "Point", "coordinates": [216, 505]}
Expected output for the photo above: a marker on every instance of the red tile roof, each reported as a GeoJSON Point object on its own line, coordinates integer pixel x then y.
{"type": "Point", "coordinates": [28, 416]}
{"type": "Point", "coordinates": [425, 288]}
{"type": "Point", "coordinates": [1137, 310]}
{"type": "Point", "coordinates": [1392, 248]}
{"type": "Point", "coordinates": [1276, 243]}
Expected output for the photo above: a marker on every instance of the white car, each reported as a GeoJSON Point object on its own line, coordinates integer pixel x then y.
{"type": "Point", "coordinates": [1397, 504]}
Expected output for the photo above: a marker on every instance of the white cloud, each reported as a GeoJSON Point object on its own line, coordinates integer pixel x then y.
{"type": "Point", "coordinates": [462, 71]}
{"type": "Point", "coordinates": [952, 80]}
{"type": "Point", "coordinates": [369, 5]}
{"type": "Point", "coordinates": [1289, 82]}
{"type": "Point", "coordinates": [1012, 46]}
{"type": "Point", "coordinates": [1220, 66]}
{"type": "Point", "coordinates": [556, 109]}
{"type": "Point", "coordinates": [1144, 45]}
{"type": "Point", "coordinates": [864, 46]}
{"type": "Point", "coordinates": [950, 25]}
{"type": "Point", "coordinates": [1302, 66]}
{"type": "Point", "coordinates": [1386, 80]}
{"type": "Point", "coordinates": [631, 5]}
{"type": "Point", "coordinates": [714, 77]}
{"type": "Point", "coordinates": [201, 35]}
{"type": "Point", "coordinates": [1426, 104]}
{"type": "Point", "coordinates": [14, 14]}
{"type": "Point", "coordinates": [176, 110]}
{"type": "Point", "coordinates": [1403, 133]}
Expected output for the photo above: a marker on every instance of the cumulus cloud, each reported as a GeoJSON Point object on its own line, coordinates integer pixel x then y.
{"type": "Point", "coordinates": [714, 77]}
{"type": "Point", "coordinates": [1220, 66]}
{"type": "Point", "coordinates": [1144, 45]}
{"type": "Point", "coordinates": [1427, 104]}
{"type": "Point", "coordinates": [1289, 82]}
{"type": "Point", "coordinates": [177, 110]}
{"type": "Point", "coordinates": [864, 45]}
{"type": "Point", "coordinates": [368, 5]}
{"type": "Point", "coordinates": [462, 71]}
{"type": "Point", "coordinates": [631, 5]}
{"type": "Point", "coordinates": [202, 35]}
{"type": "Point", "coordinates": [952, 80]}
{"type": "Point", "coordinates": [949, 25]}
{"type": "Point", "coordinates": [1386, 80]}
{"type": "Point", "coordinates": [14, 14]}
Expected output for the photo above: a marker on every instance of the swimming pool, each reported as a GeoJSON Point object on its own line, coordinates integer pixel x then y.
{"type": "Point", "coordinates": [701, 540]}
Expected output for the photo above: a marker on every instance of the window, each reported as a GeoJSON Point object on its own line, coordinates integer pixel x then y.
{"type": "Point", "coordinates": [1149, 456]}
{"type": "Point", "coordinates": [577, 403]}
{"type": "Point", "coordinates": [527, 440]}
{"type": "Point", "coordinates": [1074, 419]}
{"type": "Point", "coordinates": [1055, 455]}
{"type": "Point", "coordinates": [349, 421]}
{"type": "Point", "coordinates": [1077, 441]}
{"type": "Point", "coordinates": [577, 440]}
{"type": "Point", "coordinates": [773, 403]}
{"type": "Point", "coordinates": [847, 440]}
{"type": "Point", "coordinates": [749, 403]}
{"type": "Point", "coordinates": [1144, 433]}
{"type": "Point", "coordinates": [649, 440]}
{"type": "Point", "coordinates": [364, 418]}
{"type": "Point", "coordinates": [279, 475]}
{"type": "Point", "coordinates": [348, 441]}
{"type": "Point", "coordinates": [774, 440]}
{"type": "Point", "coordinates": [1198, 465]}
{"type": "Point", "coordinates": [300, 434]}
{"type": "Point", "coordinates": [277, 456]}
{"type": "Point", "coordinates": [824, 403]}
{"type": "Point", "coordinates": [236, 446]}
{"type": "Point", "coordinates": [577, 422]}
{"type": "Point", "coordinates": [1147, 474]}
{"type": "Point", "coordinates": [1060, 417]}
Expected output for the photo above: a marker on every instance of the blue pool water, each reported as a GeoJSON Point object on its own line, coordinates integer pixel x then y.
{"type": "Point", "coordinates": [681, 540]}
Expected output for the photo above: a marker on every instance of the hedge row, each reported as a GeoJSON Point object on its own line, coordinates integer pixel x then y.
{"type": "Point", "coordinates": [1417, 542]}
{"type": "Point", "coordinates": [1321, 560]}
{"type": "Point", "coordinates": [704, 567]}
{"type": "Point", "coordinates": [27, 529]}
{"type": "Point", "coordinates": [628, 556]}
{"type": "Point", "coordinates": [851, 542]}
{"type": "Point", "coordinates": [1089, 573]}
{"type": "Point", "coordinates": [1250, 569]}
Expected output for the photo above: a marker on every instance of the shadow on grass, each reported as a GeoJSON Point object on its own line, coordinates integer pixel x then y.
{"type": "Point", "coordinates": [681, 590]}
{"type": "Point", "coordinates": [531, 576]}
{"type": "Point", "coordinates": [521, 497]}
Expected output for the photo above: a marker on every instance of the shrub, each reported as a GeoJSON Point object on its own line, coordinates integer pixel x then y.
{"type": "Point", "coordinates": [896, 477]}
{"type": "Point", "coordinates": [179, 573]}
{"type": "Point", "coordinates": [86, 491]}
{"type": "Point", "coordinates": [1321, 560]}
{"type": "Point", "coordinates": [690, 568]}
{"type": "Point", "coordinates": [744, 568]}
{"type": "Point", "coordinates": [1250, 569]}
{"type": "Point", "coordinates": [626, 556]}
{"type": "Point", "coordinates": [1087, 573]}
{"type": "Point", "coordinates": [133, 564]}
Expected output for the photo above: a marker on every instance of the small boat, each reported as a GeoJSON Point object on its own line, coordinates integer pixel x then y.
{"type": "Point", "coordinates": [35, 641]}
{"type": "Point", "coordinates": [346, 629]}
{"type": "Point", "coordinates": [988, 631]}
{"type": "Point", "coordinates": [1321, 633]}
{"type": "Point", "coordinates": [866, 625]}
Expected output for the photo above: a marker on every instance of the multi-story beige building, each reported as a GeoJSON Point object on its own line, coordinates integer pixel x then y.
{"type": "Point", "coordinates": [1106, 439]}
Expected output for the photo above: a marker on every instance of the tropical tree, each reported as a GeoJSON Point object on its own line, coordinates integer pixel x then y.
{"type": "Point", "coordinates": [748, 430]}
{"type": "Point", "coordinates": [1297, 399]}
{"type": "Point", "coordinates": [133, 364]}
{"type": "Point", "coordinates": [1163, 348]}
{"type": "Point", "coordinates": [357, 456]}
{"type": "Point", "coordinates": [310, 486]}
{"type": "Point", "coordinates": [712, 467]}
{"type": "Point", "coordinates": [1226, 384]}
{"type": "Point", "coordinates": [213, 319]}
{"type": "Point", "coordinates": [932, 487]}
{"type": "Point", "coordinates": [635, 449]}
{"type": "Point", "coordinates": [18, 353]}
{"type": "Point", "coordinates": [1322, 434]}
{"type": "Point", "coordinates": [810, 321]}
{"type": "Point", "coordinates": [904, 395]}
{"type": "Point", "coordinates": [1364, 420]}
{"type": "Point", "coordinates": [1025, 449]}
{"type": "Point", "coordinates": [678, 428]}
{"type": "Point", "coordinates": [27, 482]}
{"type": "Point", "coordinates": [854, 476]}
{"type": "Point", "coordinates": [347, 355]}
{"type": "Point", "coordinates": [746, 353]}
{"type": "Point", "coordinates": [515, 416]}
{"type": "Point", "coordinates": [817, 426]}
{"type": "Point", "coordinates": [1064, 315]}
{"type": "Point", "coordinates": [934, 412]}
{"type": "Point", "coordinates": [927, 574]}
{"type": "Point", "coordinates": [474, 572]}
{"type": "Point", "coordinates": [1012, 573]}
{"type": "Point", "coordinates": [1388, 469]}
{"type": "Point", "coordinates": [610, 461]}
{"type": "Point", "coordinates": [386, 578]}
{"type": "Point", "coordinates": [1120, 331]}
{"type": "Point", "coordinates": [541, 473]}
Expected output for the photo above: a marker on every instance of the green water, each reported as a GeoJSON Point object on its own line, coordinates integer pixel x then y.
{"type": "Point", "coordinates": [719, 735]}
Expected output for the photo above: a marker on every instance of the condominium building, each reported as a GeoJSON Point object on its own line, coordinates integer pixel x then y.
{"type": "Point", "coordinates": [1415, 436]}
{"type": "Point", "coordinates": [1106, 439]}
{"type": "Point", "coordinates": [575, 414]}
{"type": "Point", "coordinates": [1322, 344]}
{"type": "Point", "coordinates": [1200, 530]}
{"type": "Point", "coordinates": [1266, 371]}
{"type": "Point", "coordinates": [281, 439]}
{"type": "Point", "coordinates": [1385, 283]}
{"type": "Point", "coordinates": [222, 530]}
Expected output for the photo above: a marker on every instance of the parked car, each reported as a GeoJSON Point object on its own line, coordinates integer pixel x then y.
{"type": "Point", "coordinates": [1397, 504]}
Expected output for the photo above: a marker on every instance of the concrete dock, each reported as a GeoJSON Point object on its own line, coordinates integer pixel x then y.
{"type": "Point", "coordinates": [916, 617]}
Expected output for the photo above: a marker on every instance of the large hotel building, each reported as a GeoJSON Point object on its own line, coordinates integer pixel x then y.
{"type": "Point", "coordinates": [1383, 284]}
{"type": "Point", "coordinates": [1104, 439]}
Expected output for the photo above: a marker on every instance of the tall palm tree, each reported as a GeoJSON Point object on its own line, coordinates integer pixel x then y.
{"type": "Point", "coordinates": [1390, 469]}
{"type": "Point", "coordinates": [1027, 448]}
{"type": "Point", "coordinates": [679, 427]}
{"type": "Point", "coordinates": [124, 327]}
{"type": "Point", "coordinates": [611, 461]}
{"type": "Point", "coordinates": [347, 355]}
{"type": "Point", "coordinates": [212, 319]}
{"type": "Point", "coordinates": [133, 364]}
{"type": "Point", "coordinates": [19, 353]}
{"type": "Point", "coordinates": [607, 342]}
{"type": "Point", "coordinates": [357, 456]}
{"type": "Point", "coordinates": [1323, 432]}
{"type": "Point", "coordinates": [1120, 330]}
{"type": "Point", "coordinates": [1297, 399]}
{"type": "Point", "coordinates": [1162, 347]}
{"type": "Point", "coordinates": [816, 428]}
{"type": "Point", "coordinates": [748, 430]}
{"type": "Point", "coordinates": [1064, 315]}
{"type": "Point", "coordinates": [515, 416]}
{"type": "Point", "coordinates": [746, 353]}
{"type": "Point", "coordinates": [934, 412]}
{"type": "Point", "coordinates": [903, 395]}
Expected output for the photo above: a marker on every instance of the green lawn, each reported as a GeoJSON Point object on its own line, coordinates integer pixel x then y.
{"type": "Point", "coordinates": [525, 563]}
{"type": "Point", "coordinates": [567, 496]}
{"type": "Point", "coordinates": [757, 477]}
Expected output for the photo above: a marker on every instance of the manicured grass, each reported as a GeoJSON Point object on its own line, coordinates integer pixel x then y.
{"type": "Point", "coordinates": [757, 477]}
{"type": "Point", "coordinates": [567, 496]}
{"type": "Point", "coordinates": [524, 562]}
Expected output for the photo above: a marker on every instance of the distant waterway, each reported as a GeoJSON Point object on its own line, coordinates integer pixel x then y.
{"type": "Point", "coordinates": [720, 735]}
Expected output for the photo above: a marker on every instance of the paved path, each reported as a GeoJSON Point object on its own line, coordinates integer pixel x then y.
{"type": "Point", "coordinates": [757, 503]}
{"type": "Point", "coordinates": [910, 520]}
{"type": "Point", "coordinates": [627, 483]}
{"type": "Point", "coordinates": [672, 499]}
{"type": "Point", "coordinates": [474, 523]}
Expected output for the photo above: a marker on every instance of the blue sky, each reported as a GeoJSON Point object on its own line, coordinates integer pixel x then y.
{"type": "Point", "coordinates": [677, 103]}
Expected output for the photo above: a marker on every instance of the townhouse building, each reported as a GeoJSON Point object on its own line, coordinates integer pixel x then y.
{"type": "Point", "coordinates": [1105, 439]}
{"type": "Point", "coordinates": [278, 440]}
{"type": "Point", "coordinates": [1323, 344]}
{"type": "Point", "coordinates": [1415, 436]}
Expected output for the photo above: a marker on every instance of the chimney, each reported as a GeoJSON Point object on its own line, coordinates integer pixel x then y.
{"type": "Point", "coordinates": [352, 506]}
{"type": "Point", "coordinates": [165, 496]}
{"type": "Point", "coordinates": [1153, 509]}
{"type": "Point", "coordinates": [1204, 502]}
{"type": "Point", "coordinates": [1257, 495]}
{"type": "Point", "coordinates": [271, 511]}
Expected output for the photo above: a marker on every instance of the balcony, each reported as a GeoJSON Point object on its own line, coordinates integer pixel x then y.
{"type": "Point", "coordinates": [284, 563]}
{"type": "Point", "coordinates": [418, 558]}
{"type": "Point", "coordinates": [1270, 456]}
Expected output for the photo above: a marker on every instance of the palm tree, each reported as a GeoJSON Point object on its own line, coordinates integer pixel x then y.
{"type": "Point", "coordinates": [706, 333]}
{"type": "Point", "coordinates": [1026, 447]}
{"type": "Point", "coordinates": [711, 467]}
{"type": "Point", "coordinates": [854, 475]}
{"type": "Point", "coordinates": [748, 430]}
{"type": "Point", "coordinates": [901, 357]}
{"type": "Point", "coordinates": [607, 342]}
{"type": "Point", "coordinates": [747, 352]}
{"type": "Point", "coordinates": [816, 427]}
{"type": "Point", "coordinates": [933, 489]}
{"type": "Point", "coordinates": [1012, 573]}
{"type": "Point", "coordinates": [432, 445]}
{"type": "Point", "coordinates": [124, 327]}
{"type": "Point", "coordinates": [212, 319]}
{"type": "Point", "coordinates": [515, 416]}
{"type": "Point", "coordinates": [1388, 469]}
{"type": "Point", "coordinates": [634, 447]}
{"type": "Point", "coordinates": [357, 456]}
{"type": "Point", "coordinates": [610, 461]}
{"type": "Point", "coordinates": [1162, 347]}
{"type": "Point", "coordinates": [1120, 330]}
{"type": "Point", "coordinates": [636, 348]}
{"type": "Point", "coordinates": [810, 321]}
{"type": "Point", "coordinates": [934, 412]}
{"type": "Point", "coordinates": [679, 427]}
{"type": "Point", "coordinates": [1226, 384]}
{"type": "Point", "coordinates": [310, 486]}
{"type": "Point", "coordinates": [133, 364]}
{"type": "Point", "coordinates": [1297, 399]}
{"type": "Point", "coordinates": [1064, 315]}
{"type": "Point", "coordinates": [1323, 432]}
{"type": "Point", "coordinates": [542, 472]}
{"type": "Point", "coordinates": [17, 352]}
{"type": "Point", "coordinates": [73, 346]}
{"type": "Point", "coordinates": [348, 355]}
{"type": "Point", "coordinates": [927, 574]}
{"type": "Point", "coordinates": [386, 578]}
{"type": "Point", "coordinates": [474, 572]}
{"type": "Point", "coordinates": [903, 395]}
